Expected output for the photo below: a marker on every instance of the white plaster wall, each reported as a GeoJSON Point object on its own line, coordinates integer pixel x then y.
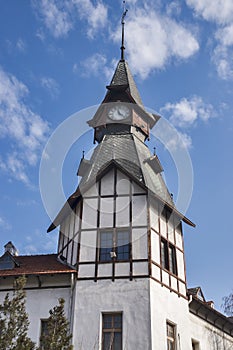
{"type": "Point", "coordinates": [38, 304]}
{"type": "Point", "coordinates": [123, 183]}
{"type": "Point", "coordinates": [107, 183]}
{"type": "Point", "coordinates": [90, 206]}
{"type": "Point", "coordinates": [88, 246]}
{"type": "Point", "coordinates": [139, 211]}
{"type": "Point", "coordinates": [130, 297]}
{"type": "Point", "coordinates": [208, 336]}
{"type": "Point", "coordinates": [155, 247]}
{"type": "Point", "coordinates": [180, 264]}
{"type": "Point", "coordinates": [139, 243]}
{"type": "Point", "coordinates": [167, 306]}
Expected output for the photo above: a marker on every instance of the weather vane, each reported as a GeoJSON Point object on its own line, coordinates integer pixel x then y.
{"type": "Point", "coordinates": [123, 31]}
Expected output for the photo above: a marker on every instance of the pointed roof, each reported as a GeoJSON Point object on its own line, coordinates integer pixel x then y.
{"type": "Point", "coordinates": [123, 78]}
{"type": "Point", "coordinates": [134, 162]}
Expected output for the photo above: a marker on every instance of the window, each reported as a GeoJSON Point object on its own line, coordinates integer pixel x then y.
{"type": "Point", "coordinates": [171, 336]}
{"type": "Point", "coordinates": [122, 245]}
{"type": "Point", "coordinates": [172, 259]}
{"type": "Point", "coordinates": [114, 244]}
{"type": "Point", "coordinates": [106, 246]}
{"type": "Point", "coordinates": [195, 345]}
{"type": "Point", "coordinates": [168, 256]}
{"type": "Point", "coordinates": [43, 331]}
{"type": "Point", "coordinates": [112, 331]}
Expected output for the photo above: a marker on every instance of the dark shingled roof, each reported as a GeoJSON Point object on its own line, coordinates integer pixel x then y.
{"type": "Point", "coordinates": [36, 265]}
{"type": "Point", "coordinates": [123, 76]}
{"type": "Point", "coordinates": [130, 153]}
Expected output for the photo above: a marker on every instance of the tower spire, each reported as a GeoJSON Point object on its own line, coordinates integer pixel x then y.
{"type": "Point", "coordinates": [123, 31]}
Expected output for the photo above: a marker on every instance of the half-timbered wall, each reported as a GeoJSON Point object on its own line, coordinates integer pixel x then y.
{"type": "Point", "coordinates": [167, 251]}
{"type": "Point", "coordinates": [107, 233]}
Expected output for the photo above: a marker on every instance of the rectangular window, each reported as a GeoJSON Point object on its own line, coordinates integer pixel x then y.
{"type": "Point", "coordinates": [43, 331]}
{"type": "Point", "coordinates": [172, 259]}
{"type": "Point", "coordinates": [112, 331]}
{"type": "Point", "coordinates": [164, 255]}
{"type": "Point", "coordinates": [171, 336]}
{"type": "Point", "coordinates": [106, 246]}
{"type": "Point", "coordinates": [114, 244]}
{"type": "Point", "coordinates": [168, 256]}
{"type": "Point", "coordinates": [122, 245]}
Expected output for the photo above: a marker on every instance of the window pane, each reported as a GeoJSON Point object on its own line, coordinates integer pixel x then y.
{"type": "Point", "coordinates": [164, 258]}
{"type": "Point", "coordinates": [107, 341]}
{"type": "Point", "coordinates": [107, 320]}
{"type": "Point", "coordinates": [123, 246]}
{"type": "Point", "coordinates": [106, 246]}
{"type": "Point", "coordinates": [118, 321]}
{"type": "Point", "coordinates": [117, 341]}
{"type": "Point", "coordinates": [172, 259]}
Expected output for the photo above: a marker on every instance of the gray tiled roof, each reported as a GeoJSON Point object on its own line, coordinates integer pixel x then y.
{"type": "Point", "coordinates": [123, 76]}
{"type": "Point", "coordinates": [130, 153]}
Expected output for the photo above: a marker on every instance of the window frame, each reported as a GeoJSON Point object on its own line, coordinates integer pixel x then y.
{"type": "Point", "coordinates": [43, 330]}
{"type": "Point", "coordinates": [171, 341]}
{"type": "Point", "coordinates": [168, 261]}
{"type": "Point", "coordinates": [115, 247]}
{"type": "Point", "coordinates": [112, 330]}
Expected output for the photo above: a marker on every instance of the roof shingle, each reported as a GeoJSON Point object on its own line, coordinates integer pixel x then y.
{"type": "Point", "coordinates": [37, 265]}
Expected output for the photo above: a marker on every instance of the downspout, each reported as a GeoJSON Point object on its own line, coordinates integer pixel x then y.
{"type": "Point", "coordinates": [72, 299]}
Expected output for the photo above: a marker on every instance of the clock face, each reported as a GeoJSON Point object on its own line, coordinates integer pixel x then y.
{"type": "Point", "coordinates": [119, 112]}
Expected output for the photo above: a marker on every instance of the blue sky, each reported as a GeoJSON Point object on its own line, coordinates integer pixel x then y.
{"type": "Point", "coordinates": [56, 57]}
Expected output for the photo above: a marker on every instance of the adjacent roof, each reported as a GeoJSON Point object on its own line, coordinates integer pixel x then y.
{"type": "Point", "coordinates": [36, 265]}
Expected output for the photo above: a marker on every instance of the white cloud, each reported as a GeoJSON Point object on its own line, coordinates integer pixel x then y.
{"type": "Point", "coordinates": [95, 15]}
{"type": "Point", "coordinates": [225, 35]}
{"type": "Point", "coordinates": [50, 85]}
{"type": "Point", "coordinates": [223, 53]}
{"type": "Point", "coordinates": [223, 60]}
{"type": "Point", "coordinates": [4, 224]}
{"type": "Point", "coordinates": [25, 129]}
{"type": "Point", "coordinates": [220, 11]}
{"type": "Point", "coordinates": [59, 16]}
{"type": "Point", "coordinates": [178, 141]}
{"type": "Point", "coordinates": [173, 8]}
{"type": "Point", "coordinates": [154, 39]}
{"type": "Point", "coordinates": [187, 112]}
{"type": "Point", "coordinates": [55, 16]}
{"type": "Point", "coordinates": [21, 45]}
{"type": "Point", "coordinates": [96, 65]}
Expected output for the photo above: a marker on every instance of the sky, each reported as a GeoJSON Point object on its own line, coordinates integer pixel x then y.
{"type": "Point", "coordinates": [56, 58]}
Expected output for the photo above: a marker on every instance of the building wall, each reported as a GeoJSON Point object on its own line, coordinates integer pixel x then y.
{"type": "Point", "coordinates": [39, 300]}
{"type": "Point", "coordinates": [207, 336]}
{"type": "Point", "coordinates": [129, 297]}
{"type": "Point", "coordinates": [166, 307]}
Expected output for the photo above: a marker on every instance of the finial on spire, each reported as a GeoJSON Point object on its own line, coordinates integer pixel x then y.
{"type": "Point", "coordinates": [123, 31]}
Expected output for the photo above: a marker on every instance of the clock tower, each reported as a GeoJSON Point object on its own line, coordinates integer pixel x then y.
{"type": "Point", "coordinates": [122, 233]}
